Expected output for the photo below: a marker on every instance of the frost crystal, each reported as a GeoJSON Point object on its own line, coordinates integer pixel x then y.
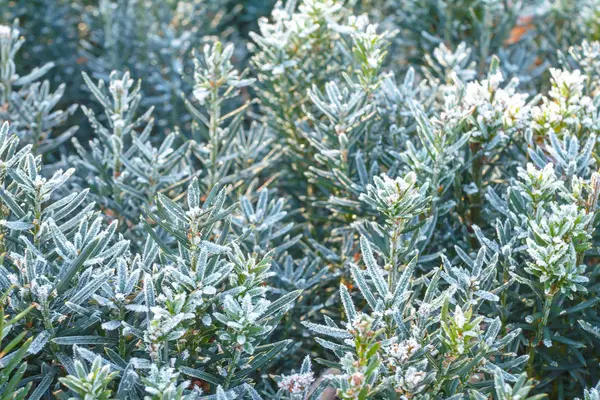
{"type": "Point", "coordinates": [296, 383]}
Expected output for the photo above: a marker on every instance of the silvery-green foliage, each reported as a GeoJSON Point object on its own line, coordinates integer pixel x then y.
{"type": "Point", "coordinates": [52, 33]}
{"type": "Point", "coordinates": [569, 108]}
{"type": "Point", "coordinates": [211, 284]}
{"type": "Point", "coordinates": [585, 56]}
{"type": "Point", "coordinates": [396, 200]}
{"type": "Point", "coordinates": [163, 384]}
{"type": "Point", "coordinates": [298, 52]}
{"type": "Point", "coordinates": [557, 238]}
{"type": "Point", "coordinates": [226, 152]}
{"type": "Point", "coordinates": [486, 27]}
{"type": "Point", "coordinates": [503, 390]}
{"type": "Point", "coordinates": [321, 106]}
{"type": "Point", "coordinates": [340, 127]}
{"type": "Point", "coordinates": [154, 41]}
{"type": "Point", "coordinates": [58, 254]}
{"type": "Point", "coordinates": [314, 278]}
{"type": "Point", "coordinates": [300, 385]}
{"type": "Point", "coordinates": [37, 120]}
{"type": "Point", "coordinates": [336, 143]}
{"type": "Point", "coordinates": [11, 43]}
{"type": "Point", "coordinates": [140, 308]}
{"type": "Point", "coordinates": [393, 106]}
{"type": "Point", "coordinates": [89, 382]}
{"type": "Point", "coordinates": [12, 364]}
{"type": "Point", "coordinates": [476, 124]}
{"type": "Point", "coordinates": [446, 65]}
{"type": "Point", "coordinates": [399, 346]}
{"type": "Point", "coordinates": [562, 24]}
{"type": "Point", "coordinates": [491, 111]}
{"type": "Point", "coordinates": [27, 103]}
{"type": "Point", "coordinates": [122, 167]}
{"type": "Point", "coordinates": [265, 225]}
{"type": "Point", "coordinates": [294, 39]}
{"type": "Point", "coordinates": [553, 215]}
{"type": "Point", "coordinates": [592, 393]}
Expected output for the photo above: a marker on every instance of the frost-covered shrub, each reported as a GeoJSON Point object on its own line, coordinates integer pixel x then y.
{"type": "Point", "coordinates": [310, 199]}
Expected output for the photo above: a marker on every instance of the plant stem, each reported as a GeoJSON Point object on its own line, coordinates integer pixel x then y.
{"type": "Point", "coordinates": [539, 333]}
{"type": "Point", "coordinates": [231, 368]}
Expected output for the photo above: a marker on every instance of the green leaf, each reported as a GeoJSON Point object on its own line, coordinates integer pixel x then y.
{"type": "Point", "coordinates": [71, 269]}
{"type": "Point", "coordinates": [83, 340]}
